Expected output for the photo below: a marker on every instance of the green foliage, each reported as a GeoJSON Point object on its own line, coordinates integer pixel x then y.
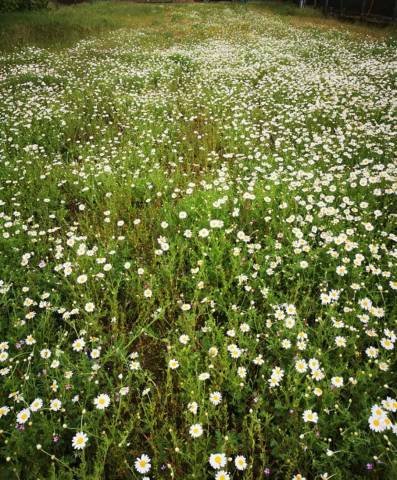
{"type": "Point", "coordinates": [18, 5]}
{"type": "Point", "coordinates": [70, 2]}
{"type": "Point", "coordinates": [64, 25]}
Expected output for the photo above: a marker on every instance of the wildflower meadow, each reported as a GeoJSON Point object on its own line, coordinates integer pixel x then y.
{"type": "Point", "coordinates": [198, 247]}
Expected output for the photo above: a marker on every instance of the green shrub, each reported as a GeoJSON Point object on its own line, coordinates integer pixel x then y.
{"type": "Point", "coordinates": [70, 2]}
{"type": "Point", "coordinates": [14, 5]}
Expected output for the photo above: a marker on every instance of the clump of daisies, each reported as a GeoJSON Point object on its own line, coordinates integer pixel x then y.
{"type": "Point", "coordinates": [380, 418]}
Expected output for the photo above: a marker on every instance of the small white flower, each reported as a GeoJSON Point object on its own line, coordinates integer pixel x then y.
{"type": "Point", "coordinates": [216, 223]}
{"type": "Point", "coordinates": [124, 391]}
{"type": "Point", "coordinates": [193, 407]}
{"type": "Point", "coordinates": [222, 475]}
{"type": "Point", "coordinates": [102, 401]}
{"type": "Point", "coordinates": [3, 356]}
{"type": "Point", "coordinates": [203, 233]}
{"type": "Point", "coordinates": [45, 353]}
{"type": "Point", "coordinates": [240, 462]}
{"type": "Point", "coordinates": [23, 416]}
{"type": "Point", "coordinates": [337, 382]}
{"type": "Point", "coordinates": [81, 279]}
{"type": "Point", "coordinates": [78, 345]}
{"type": "Point", "coordinates": [89, 307]}
{"type": "Point", "coordinates": [79, 441]}
{"type": "Point", "coordinates": [142, 464]}
{"type": "Point", "coordinates": [36, 404]}
{"type": "Point", "coordinates": [217, 460]}
{"type": "Point", "coordinates": [196, 430]}
{"type": "Point", "coordinates": [377, 424]}
{"type": "Point", "coordinates": [55, 405]}
{"type": "Point", "coordinates": [4, 410]}
{"type": "Point", "coordinates": [184, 339]}
{"type": "Point", "coordinates": [173, 364]}
{"type": "Point", "coordinates": [310, 416]}
{"type": "Point", "coordinates": [215, 398]}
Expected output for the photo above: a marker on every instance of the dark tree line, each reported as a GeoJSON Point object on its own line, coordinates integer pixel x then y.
{"type": "Point", "coordinates": [360, 9]}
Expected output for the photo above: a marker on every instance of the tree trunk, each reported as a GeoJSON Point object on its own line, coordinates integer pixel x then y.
{"type": "Point", "coordinates": [325, 7]}
{"type": "Point", "coordinates": [363, 7]}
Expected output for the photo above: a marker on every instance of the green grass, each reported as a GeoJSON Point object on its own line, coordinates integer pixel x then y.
{"type": "Point", "coordinates": [61, 26]}
{"type": "Point", "coordinates": [193, 199]}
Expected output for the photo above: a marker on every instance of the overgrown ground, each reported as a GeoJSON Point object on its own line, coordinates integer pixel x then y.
{"type": "Point", "coordinates": [198, 237]}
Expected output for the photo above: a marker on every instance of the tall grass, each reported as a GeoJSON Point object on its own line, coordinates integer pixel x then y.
{"type": "Point", "coordinates": [62, 26]}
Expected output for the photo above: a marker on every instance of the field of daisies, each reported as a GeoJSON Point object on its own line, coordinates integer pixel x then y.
{"type": "Point", "coordinates": [198, 251]}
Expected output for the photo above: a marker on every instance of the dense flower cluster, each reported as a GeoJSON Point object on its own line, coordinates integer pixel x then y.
{"type": "Point", "coordinates": [198, 270]}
